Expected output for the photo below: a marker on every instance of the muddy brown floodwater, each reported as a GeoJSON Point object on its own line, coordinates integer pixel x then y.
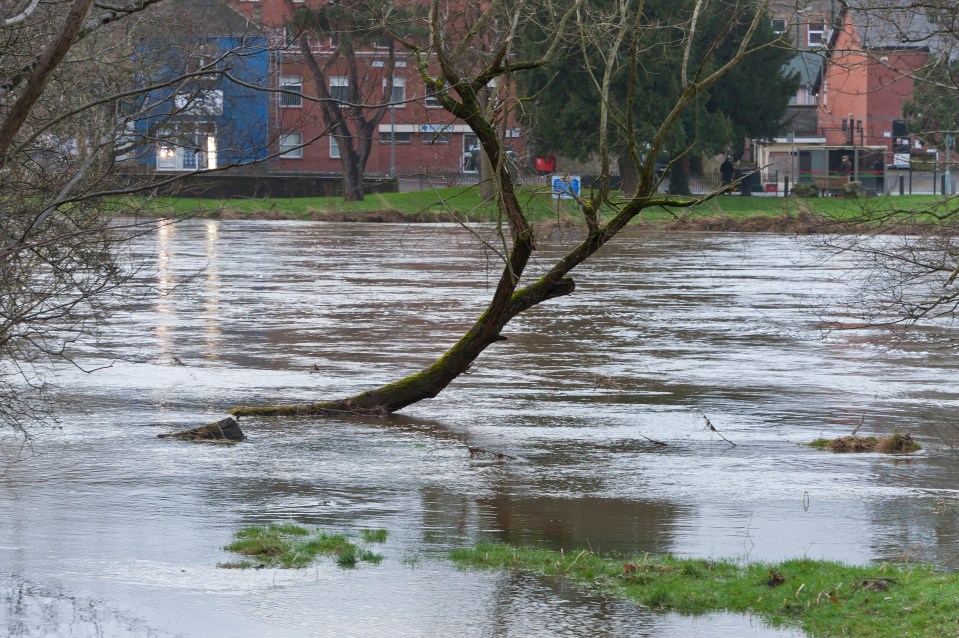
{"type": "Point", "coordinates": [106, 530]}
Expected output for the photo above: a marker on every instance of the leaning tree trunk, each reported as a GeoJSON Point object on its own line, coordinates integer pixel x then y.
{"type": "Point", "coordinates": [507, 302]}
{"type": "Point", "coordinates": [431, 381]}
{"type": "Point", "coordinates": [508, 299]}
{"type": "Point", "coordinates": [487, 187]}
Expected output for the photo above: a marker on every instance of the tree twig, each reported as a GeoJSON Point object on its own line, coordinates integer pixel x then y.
{"type": "Point", "coordinates": [710, 426]}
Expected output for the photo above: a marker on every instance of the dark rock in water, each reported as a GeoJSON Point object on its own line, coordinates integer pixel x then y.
{"type": "Point", "coordinates": [226, 430]}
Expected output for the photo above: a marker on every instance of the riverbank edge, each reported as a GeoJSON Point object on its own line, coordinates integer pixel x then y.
{"type": "Point", "coordinates": [798, 223]}
{"type": "Point", "coordinates": [823, 598]}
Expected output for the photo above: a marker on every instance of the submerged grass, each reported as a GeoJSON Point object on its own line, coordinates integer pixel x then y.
{"type": "Point", "coordinates": [374, 535]}
{"type": "Point", "coordinates": [292, 546]}
{"type": "Point", "coordinates": [823, 598]}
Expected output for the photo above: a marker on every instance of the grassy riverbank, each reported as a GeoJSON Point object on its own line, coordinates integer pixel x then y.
{"type": "Point", "coordinates": [465, 204]}
{"type": "Point", "coordinates": [823, 598]}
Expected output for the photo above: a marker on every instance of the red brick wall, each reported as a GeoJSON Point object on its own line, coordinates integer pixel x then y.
{"type": "Point", "coordinates": [889, 88]}
{"type": "Point", "coordinates": [870, 86]}
{"type": "Point", "coordinates": [417, 156]}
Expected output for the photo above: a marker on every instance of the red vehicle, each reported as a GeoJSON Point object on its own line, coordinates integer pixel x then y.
{"type": "Point", "coordinates": [547, 164]}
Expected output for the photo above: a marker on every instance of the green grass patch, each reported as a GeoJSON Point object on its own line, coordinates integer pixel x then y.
{"type": "Point", "coordinates": [823, 598]}
{"type": "Point", "coordinates": [464, 202]}
{"type": "Point", "coordinates": [374, 535]}
{"type": "Point", "coordinates": [918, 208]}
{"type": "Point", "coordinates": [292, 546]}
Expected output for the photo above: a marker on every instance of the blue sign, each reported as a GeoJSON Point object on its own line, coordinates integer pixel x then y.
{"type": "Point", "coordinates": [565, 186]}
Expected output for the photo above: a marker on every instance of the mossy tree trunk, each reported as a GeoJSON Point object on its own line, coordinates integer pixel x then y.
{"type": "Point", "coordinates": [466, 73]}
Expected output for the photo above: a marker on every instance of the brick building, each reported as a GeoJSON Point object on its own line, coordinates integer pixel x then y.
{"type": "Point", "coordinates": [867, 77]}
{"type": "Point", "coordinates": [805, 24]}
{"type": "Point", "coordinates": [414, 134]}
{"type": "Point", "coordinates": [852, 104]}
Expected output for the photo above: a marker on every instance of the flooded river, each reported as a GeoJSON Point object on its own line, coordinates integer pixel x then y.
{"type": "Point", "coordinates": [107, 531]}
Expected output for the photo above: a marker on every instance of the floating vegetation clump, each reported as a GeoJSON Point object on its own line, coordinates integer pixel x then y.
{"type": "Point", "coordinates": [292, 546]}
{"type": "Point", "coordinates": [895, 443]}
{"type": "Point", "coordinates": [824, 598]}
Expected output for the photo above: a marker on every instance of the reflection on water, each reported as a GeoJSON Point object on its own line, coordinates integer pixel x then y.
{"type": "Point", "coordinates": [658, 334]}
{"type": "Point", "coordinates": [27, 610]}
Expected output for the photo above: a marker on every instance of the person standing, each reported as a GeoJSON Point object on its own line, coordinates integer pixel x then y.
{"type": "Point", "coordinates": [845, 168]}
{"type": "Point", "coordinates": [726, 171]}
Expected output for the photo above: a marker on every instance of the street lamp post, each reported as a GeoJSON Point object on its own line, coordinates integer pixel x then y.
{"type": "Point", "coordinates": [392, 140]}
{"type": "Point", "coordinates": [948, 190]}
{"type": "Point", "coordinates": [852, 127]}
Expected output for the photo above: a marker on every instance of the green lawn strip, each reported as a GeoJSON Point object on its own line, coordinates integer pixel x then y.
{"type": "Point", "coordinates": [829, 208]}
{"type": "Point", "coordinates": [293, 546]}
{"type": "Point", "coordinates": [465, 203]}
{"type": "Point", "coordinates": [821, 597]}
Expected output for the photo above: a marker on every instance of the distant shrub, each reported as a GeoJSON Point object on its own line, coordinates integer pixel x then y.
{"type": "Point", "coordinates": [805, 190]}
{"type": "Point", "coordinates": [852, 189]}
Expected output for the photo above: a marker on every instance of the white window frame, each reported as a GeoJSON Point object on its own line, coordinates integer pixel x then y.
{"type": "Point", "coordinates": [291, 83]}
{"type": "Point", "coordinates": [293, 142]}
{"type": "Point", "coordinates": [166, 156]}
{"type": "Point", "coordinates": [778, 22]}
{"type": "Point", "coordinates": [334, 148]}
{"type": "Point", "coordinates": [339, 82]}
{"type": "Point", "coordinates": [397, 101]}
{"type": "Point", "coordinates": [817, 29]}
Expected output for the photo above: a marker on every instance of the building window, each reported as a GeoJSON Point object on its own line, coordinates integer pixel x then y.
{"type": "Point", "coordinates": [436, 137]}
{"type": "Point", "coordinates": [340, 88]}
{"type": "Point", "coordinates": [204, 103]}
{"type": "Point", "coordinates": [471, 153]}
{"type": "Point", "coordinates": [166, 156]}
{"type": "Point", "coordinates": [382, 42]}
{"type": "Point", "coordinates": [292, 87]}
{"type": "Point", "coordinates": [778, 25]}
{"type": "Point", "coordinates": [431, 100]}
{"type": "Point", "coordinates": [398, 96]}
{"type": "Point", "coordinates": [291, 145]}
{"type": "Point", "coordinates": [817, 31]}
{"type": "Point", "coordinates": [400, 138]}
{"type": "Point", "coordinates": [334, 148]}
